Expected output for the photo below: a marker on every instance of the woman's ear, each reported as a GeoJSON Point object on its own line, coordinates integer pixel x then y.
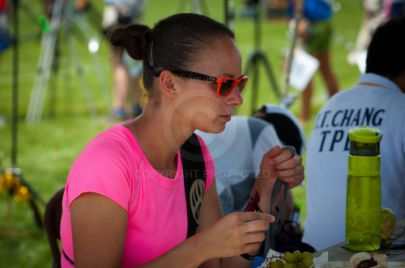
{"type": "Point", "coordinates": [167, 83]}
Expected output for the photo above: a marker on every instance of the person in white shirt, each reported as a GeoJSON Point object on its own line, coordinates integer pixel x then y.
{"type": "Point", "coordinates": [237, 153]}
{"type": "Point", "coordinates": [377, 101]}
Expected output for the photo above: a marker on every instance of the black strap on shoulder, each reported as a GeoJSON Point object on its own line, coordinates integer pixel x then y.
{"type": "Point", "coordinates": [194, 180]}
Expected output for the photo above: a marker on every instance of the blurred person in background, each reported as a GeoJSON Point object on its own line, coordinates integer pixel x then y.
{"type": "Point", "coordinates": [126, 71]}
{"type": "Point", "coordinates": [373, 16]}
{"type": "Point", "coordinates": [125, 202]}
{"type": "Point", "coordinates": [237, 153]}
{"type": "Point", "coordinates": [394, 8]}
{"type": "Point", "coordinates": [376, 101]}
{"type": "Point", "coordinates": [375, 12]}
{"type": "Point", "coordinates": [315, 31]}
{"type": "Point", "coordinates": [237, 150]}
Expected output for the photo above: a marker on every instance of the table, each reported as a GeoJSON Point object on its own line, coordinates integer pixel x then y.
{"type": "Point", "coordinates": [337, 253]}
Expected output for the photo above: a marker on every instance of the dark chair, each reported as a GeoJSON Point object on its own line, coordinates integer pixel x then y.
{"type": "Point", "coordinates": [52, 217]}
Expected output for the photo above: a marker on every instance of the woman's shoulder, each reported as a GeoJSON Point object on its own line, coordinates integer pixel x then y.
{"type": "Point", "coordinates": [115, 143]}
{"type": "Point", "coordinates": [115, 138]}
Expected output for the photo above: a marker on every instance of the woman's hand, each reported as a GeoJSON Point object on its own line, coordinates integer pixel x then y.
{"type": "Point", "coordinates": [234, 234]}
{"type": "Point", "coordinates": [282, 163]}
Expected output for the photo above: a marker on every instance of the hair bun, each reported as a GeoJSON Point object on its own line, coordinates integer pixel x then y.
{"type": "Point", "coordinates": [133, 38]}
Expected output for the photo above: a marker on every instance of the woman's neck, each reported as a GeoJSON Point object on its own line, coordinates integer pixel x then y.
{"type": "Point", "coordinates": [160, 136]}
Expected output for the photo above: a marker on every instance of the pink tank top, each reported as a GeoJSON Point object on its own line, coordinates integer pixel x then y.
{"type": "Point", "coordinates": [113, 165]}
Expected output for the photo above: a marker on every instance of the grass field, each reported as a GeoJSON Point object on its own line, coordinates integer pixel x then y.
{"type": "Point", "coordinates": [47, 149]}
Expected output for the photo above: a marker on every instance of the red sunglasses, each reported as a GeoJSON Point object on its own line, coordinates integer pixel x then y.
{"type": "Point", "coordinates": [224, 85]}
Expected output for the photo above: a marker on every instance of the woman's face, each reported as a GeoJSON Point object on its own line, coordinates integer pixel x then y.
{"type": "Point", "coordinates": [198, 101]}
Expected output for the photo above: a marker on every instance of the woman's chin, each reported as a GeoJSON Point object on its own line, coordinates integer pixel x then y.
{"type": "Point", "coordinates": [217, 131]}
{"type": "Point", "coordinates": [214, 128]}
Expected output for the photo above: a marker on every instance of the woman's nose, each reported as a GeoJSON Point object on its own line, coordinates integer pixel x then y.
{"type": "Point", "coordinates": [235, 98]}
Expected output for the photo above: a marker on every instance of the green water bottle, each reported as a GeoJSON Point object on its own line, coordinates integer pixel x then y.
{"type": "Point", "coordinates": [363, 203]}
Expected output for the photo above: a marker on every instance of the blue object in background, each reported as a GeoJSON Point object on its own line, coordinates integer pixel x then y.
{"type": "Point", "coordinates": [258, 260]}
{"type": "Point", "coordinates": [5, 40]}
{"type": "Point", "coordinates": [314, 10]}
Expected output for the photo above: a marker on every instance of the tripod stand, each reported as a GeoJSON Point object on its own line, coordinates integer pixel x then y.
{"type": "Point", "coordinates": [45, 60]}
{"type": "Point", "coordinates": [62, 14]}
{"type": "Point", "coordinates": [12, 179]}
{"type": "Point", "coordinates": [258, 58]}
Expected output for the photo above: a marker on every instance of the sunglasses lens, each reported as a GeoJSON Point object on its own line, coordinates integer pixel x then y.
{"type": "Point", "coordinates": [242, 84]}
{"type": "Point", "coordinates": [226, 87]}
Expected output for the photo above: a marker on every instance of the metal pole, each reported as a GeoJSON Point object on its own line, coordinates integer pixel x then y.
{"type": "Point", "coordinates": [14, 121]}
{"type": "Point", "coordinates": [226, 12]}
{"type": "Point", "coordinates": [257, 27]}
{"type": "Point", "coordinates": [298, 14]}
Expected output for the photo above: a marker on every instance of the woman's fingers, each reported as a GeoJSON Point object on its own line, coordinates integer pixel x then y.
{"type": "Point", "coordinates": [291, 172]}
{"type": "Point", "coordinates": [251, 247]}
{"type": "Point", "coordinates": [293, 181]}
{"type": "Point", "coordinates": [241, 232]}
{"type": "Point", "coordinates": [289, 166]}
{"type": "Point", "coordinates": [254, 230]}
{"type": "Point", "coordinates": [273, 152]}
{"type": "Point", "coordinates": [288, 163]}
{"type": "Point", "coordinates": [279, 156]}
{"type": "Point", "coordinates": [251, 216]}
{"type": "Point", "coordinates": [257, 237]}
{"type": "Point", "coordinates": [259, 225]}
{"type": "Point", "coordinates": [252, 223]}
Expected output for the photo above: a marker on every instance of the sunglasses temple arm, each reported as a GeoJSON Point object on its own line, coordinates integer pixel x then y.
{"type": "Point", "coordinates": [276, 226]}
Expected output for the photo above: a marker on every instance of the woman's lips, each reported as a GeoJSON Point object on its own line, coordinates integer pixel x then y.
{"type": "Point", "coordinates": [226, 117]}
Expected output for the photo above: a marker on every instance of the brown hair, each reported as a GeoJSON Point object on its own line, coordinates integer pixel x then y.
{"type": "Point", "coordinates": [173, 43]}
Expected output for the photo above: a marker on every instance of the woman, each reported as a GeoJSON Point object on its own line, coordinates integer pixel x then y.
{"type": "Point", "coordinates": [124, 202]}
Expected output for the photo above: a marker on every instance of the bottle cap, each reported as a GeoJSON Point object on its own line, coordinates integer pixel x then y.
{"type": "Point", "coordinates": [365, 135]}
{"type": "Point", "coordinates": [364, 141]}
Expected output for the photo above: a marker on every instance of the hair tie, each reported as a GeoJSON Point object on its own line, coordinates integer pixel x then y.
{"type": "Point", "coordinates": [150, 55]}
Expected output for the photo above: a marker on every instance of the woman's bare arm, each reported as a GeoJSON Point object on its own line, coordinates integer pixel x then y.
{"type": "Point", "coordinates": [99, 228]}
